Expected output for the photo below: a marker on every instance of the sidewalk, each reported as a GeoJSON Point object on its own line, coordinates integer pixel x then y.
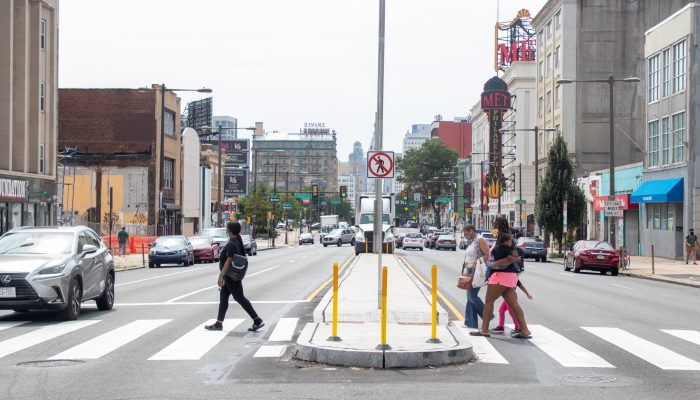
{"type": "Point", "coordinates": [665, 270]}
{"type": "Point", "coordinates": [131, 261]}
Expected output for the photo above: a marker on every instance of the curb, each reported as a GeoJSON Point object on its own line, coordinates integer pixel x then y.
{"type": "Point", "coordinates": [129, 268]}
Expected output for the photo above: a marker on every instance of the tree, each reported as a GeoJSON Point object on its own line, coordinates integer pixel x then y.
{"type": "Point", "coordinates": [559, 184]}
{"type": "Point", "coordinates": [424, 169]}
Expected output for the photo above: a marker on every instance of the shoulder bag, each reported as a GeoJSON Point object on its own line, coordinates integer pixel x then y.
{"type": "Point", "coordinates": [464, 281]}
{"type": "Point", "coordinates": [239, 264]}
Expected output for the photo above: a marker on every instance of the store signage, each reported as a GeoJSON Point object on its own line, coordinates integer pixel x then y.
{"type": "Point", "coordinates": [515, 41]}
{"type": "Point", "coordinates": [495, 101]}
{"type": "Point", "coordinates": [13, 189]}
{"type": "Point", "coordinates": [315, 128]}
{"type": "Point", "coordinates": [624, 199]}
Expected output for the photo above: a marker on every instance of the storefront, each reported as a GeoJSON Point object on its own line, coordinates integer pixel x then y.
{"type": "Point", "coordinates": [627, 233]}
{"type": "Point", "coordinates": [24, 202]}
{"type": "Point", "coordinates": [662, 217]}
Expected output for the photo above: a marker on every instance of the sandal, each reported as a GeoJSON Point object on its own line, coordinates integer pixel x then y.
{"type": "Point", "coordinates": [256, 326]}
{"type": "Point", "coordinates": [478, 333]}
{"type": "Point", "coordinates": [521, 336]}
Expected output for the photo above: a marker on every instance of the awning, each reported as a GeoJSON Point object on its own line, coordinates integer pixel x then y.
{"type": "Point", "coordinates": [659, 191]}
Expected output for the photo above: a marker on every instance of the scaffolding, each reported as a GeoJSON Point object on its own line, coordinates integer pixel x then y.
{"type": "Point", "coordinates": [66, 159]}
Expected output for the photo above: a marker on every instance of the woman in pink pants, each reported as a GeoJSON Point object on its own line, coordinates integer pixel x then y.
{"type": "Point", "coordinates": [502, 313]}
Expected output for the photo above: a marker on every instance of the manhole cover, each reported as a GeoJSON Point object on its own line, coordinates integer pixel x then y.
{"type": "Point", "coordinates": [50, 363]}
{"type": "Point", "coordinates": [588, 379]}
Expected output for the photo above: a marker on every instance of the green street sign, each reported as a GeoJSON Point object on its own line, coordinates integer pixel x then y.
{"type": "Point", "coordinates": [443, 200]}
{"type": "Point", "coordinates": [336, 202]}
{"type": "Point", "coordinates": [302, 195]}
{"type": "Point", "coordinates": [520, 201]}
{"type": "Point", "coordinates": [286, 205]}
{"type": "Point", "coordinates": [274, 199]}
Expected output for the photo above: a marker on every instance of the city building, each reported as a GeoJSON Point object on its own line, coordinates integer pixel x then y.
{"type": "Point", "coordinates": [415, 138]}
{"type": "Point", "coordinates": [668, 195]}
{"type": "Point", "coordinates": [350, 181]}
{"type": "Point", "coordinates": [191, 178]}
{"type": "Point", "coordinates": [228, 125]}
{"type": "Point", "coordinates": [116, 134]}
{"type": "Point", "coordinates": [28, 113]}
{"type": "Point", "coordinates": [456, 135]}
{"type": "Point", "coordinates": [358, 159]}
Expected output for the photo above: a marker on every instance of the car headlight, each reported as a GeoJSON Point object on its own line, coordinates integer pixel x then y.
{"type": "Point", "coordinates": [152, 252]}
{"type": "Point", "coordinates": [53, 270]}
{"type": "Point", "coordinates": [182, 252]}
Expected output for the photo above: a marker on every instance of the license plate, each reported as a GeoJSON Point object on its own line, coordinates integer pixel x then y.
{"type": "Point", "coordinates": [601, 257]}
{"type": "Point", "coordinates": [6, 292]}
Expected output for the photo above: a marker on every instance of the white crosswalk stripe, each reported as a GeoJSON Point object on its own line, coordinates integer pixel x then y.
{"type": "Point", "coordinates": [691, 336]}
{"type": "Point", "coordinates": [110, 341]}
{"type": "Point", "coordinates": [270, 351]}
{"type": "Point", "coordinates": [644, 349]}
{"type": "Point", "coordinates": [563, 350]}
{"type": "Point", "coordinates": [41, 335]}
{"type": "Point", "coordinates": [10, 324]}
{"type": "Point", "coordinates": [284, 330]}
{"type": "Point", "coordinates": [196, 343]}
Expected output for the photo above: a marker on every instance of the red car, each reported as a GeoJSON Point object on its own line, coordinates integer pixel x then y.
{"type": "Point", "coordinates": [205, 249]}
{"type": "Point", "coordinates": [592, 255]}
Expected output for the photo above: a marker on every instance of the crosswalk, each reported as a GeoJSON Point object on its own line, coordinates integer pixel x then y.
{"type": "Point", "coordinates": [194, 343]}
{"type": "Point", "coordinates": [568, 353]}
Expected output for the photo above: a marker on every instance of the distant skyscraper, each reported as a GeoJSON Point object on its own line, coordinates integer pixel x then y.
{"type": "Point", "coordinates": [415, 138]}
{"type": "Point", "coordinates": [358, 160]}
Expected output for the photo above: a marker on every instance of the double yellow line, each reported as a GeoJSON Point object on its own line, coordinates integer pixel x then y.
{"type": "Point", "coordinates": [326, 283]}
{"type": "Point", "coordinates": [442, 297]}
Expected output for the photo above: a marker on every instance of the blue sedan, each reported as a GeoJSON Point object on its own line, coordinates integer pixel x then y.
{"type": "Point", "coordinates": [171, 250]}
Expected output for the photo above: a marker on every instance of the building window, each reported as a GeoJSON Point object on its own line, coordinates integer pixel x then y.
{"type": "Point", "coordinates": [557, 96]}
{"type": "Point", "coordinates": [549, 30]}
{"type": "Point", "coordinates": [665, 141]}
{"type": "Point", "coordinates": [540, 107]}
{"type": "Point", "coordinates": [42, 34]}
{"type": "Point", "coordinates": [653, 143]}
{"type": "Point", "coordinates": [541, 71]}
{"type": "Point", "coordinates": [168, 173]}
{"type": "Point", "coordinates": [654, 78]}
{"type": "Point", "coordinates": [679, 67]}
{"type": "Point", "coordinates": [666, 73]}
{"type": "Point", "coordinates": [549, 64]}
{"type": "Point", "coordinates": [661, 216]}
{"type": "Point", "coordinates": [549, 101]}
{"type": "Point", "coordinates": [557, 20]}
{"type": "Point", "coordinates": [42, 96]}
{"type": "Point", "coordinates": [557, 55]}
{"type": "Point", "coordinates": [42, 165]}
{"type": "Point", "coordinates": [169, 123]}
{"type": "Point", "coordinates": [678, 126]}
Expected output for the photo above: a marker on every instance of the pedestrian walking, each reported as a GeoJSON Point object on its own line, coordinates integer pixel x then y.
{"type": "Point", "coordinates": [505, 307]}
{"type": "Point", "coordinates": [502, 282]}
{"type": "Point", "coordinates": [691, 242]}
{"type": "Point", "coordinates": [228, 286]}
{"type": "Point", "coordinates": [476, 248]}
{"type": "Point", "coordinates": [122, 238]}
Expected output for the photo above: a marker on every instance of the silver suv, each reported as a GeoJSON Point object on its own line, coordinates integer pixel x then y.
{"type": "Point", "coordinates": [339, 237]}
{"type": "Point", "coordinates": [55, 268]}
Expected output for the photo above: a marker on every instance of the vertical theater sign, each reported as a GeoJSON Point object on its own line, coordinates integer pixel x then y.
{"type": "Point", "coordinates": [495, 101]}
{"type": "Point", "coordinates": [515, 41]}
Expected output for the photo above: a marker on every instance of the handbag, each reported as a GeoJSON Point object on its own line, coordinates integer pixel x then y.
{"type": "Point", "coordinates": [464, 281]}
{"type": "Point", "coordinates": [239, 266]}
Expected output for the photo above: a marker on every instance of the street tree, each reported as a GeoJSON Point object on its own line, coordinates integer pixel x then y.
{"type": "Point", "coordinates": [559, 184]}
{"type": "Point", "coordinates": [428, 169]}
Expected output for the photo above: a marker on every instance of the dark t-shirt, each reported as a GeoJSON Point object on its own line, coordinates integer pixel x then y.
{"type": "Point", "coordinates": [123, 236]}
{"type": "Point", "coordinates": [692, 239]}
{"type": "Point", "coordinates": [233, 246]}
{"type": "Point", "coordinates": [501, 252]}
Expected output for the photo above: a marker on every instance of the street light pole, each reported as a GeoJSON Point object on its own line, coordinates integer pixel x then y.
{"type": "Point", "coordinates": [219, 206]}
{"type": "Point", "coordinates": [378, 138]}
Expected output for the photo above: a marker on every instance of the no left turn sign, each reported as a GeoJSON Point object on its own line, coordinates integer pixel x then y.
{"type": "Point", "coordinates": [380, 164]}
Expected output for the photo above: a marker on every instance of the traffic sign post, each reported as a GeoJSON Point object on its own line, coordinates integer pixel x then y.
{"type": "Point", "coordinates": [380, 164]}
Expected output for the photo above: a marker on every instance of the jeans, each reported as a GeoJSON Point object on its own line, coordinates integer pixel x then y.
{"type": "Point", "coordinates": [475, 307]}
{"type": "Point", "coordinates": [122, 249]}
{"type": "Point", "coordinates": [234, 288]}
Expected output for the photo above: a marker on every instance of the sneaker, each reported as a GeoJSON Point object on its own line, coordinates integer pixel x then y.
{"type": "Point", "coordinates": [256, 325]}
{"type": "Point", "coordinates": [499, 329]}
{"type": "Point", "coordinates": [217, 326]}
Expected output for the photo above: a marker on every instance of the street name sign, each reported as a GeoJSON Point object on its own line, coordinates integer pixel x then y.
{"type": "Point", "coordinates": [274, 199]}
{"type": "Point", "coordinates": [302, 196]}
{"type": "Point", "coordinates": [613, 208]}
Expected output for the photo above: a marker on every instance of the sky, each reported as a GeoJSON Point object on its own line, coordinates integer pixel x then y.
{"type": "Point", "coordinates": [287, 62]}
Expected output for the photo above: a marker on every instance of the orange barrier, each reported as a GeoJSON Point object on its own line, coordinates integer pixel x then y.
{"type": "Point", "coordinates": [134, 245]}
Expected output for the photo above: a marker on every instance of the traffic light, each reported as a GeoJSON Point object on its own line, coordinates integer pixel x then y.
{"type": "Point", "coordinates": [248, 220]}
{"type": "Point", "coordinates": [430, 194]}
{"type": "Point", "coordinates": [343, 192]}
{"type": "Point", "coordinates": [404, 194]}
{"type": "Point", "coordinates": [314, 191]}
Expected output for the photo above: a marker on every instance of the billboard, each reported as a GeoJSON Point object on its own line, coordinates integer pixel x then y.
{"type": "Point", "coordinates": [236, 152]}
{"type": "Point", "coordinates": [235, 182]}
{"type": "Point", "coordinates": [197, 114]}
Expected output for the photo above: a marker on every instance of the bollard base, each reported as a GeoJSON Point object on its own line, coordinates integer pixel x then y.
{"type": "Point", "coordinates": [433, 340]}
{"type": "Point", "coordinates": [383, 347]}
{"type": "Point", "coordinates": [334, 339]}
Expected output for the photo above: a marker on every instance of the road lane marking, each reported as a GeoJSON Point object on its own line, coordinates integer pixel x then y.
{"type": "Point", "coordinates": [691, 336]}
{"type": "Point", "coordinates": [484, 351]}
{"type": "Point", "coordinates": [41, 335]}
{"type": "Point", "coordinates": [270, 351]}
{"type": "Point", "coordinates": [284, 330]}
{"type": "Point", "coordinates": [328, 282]}
{"type": "Point", "coordinates": [160, 276]}
{"type": "Point", "coordinates": [214, 286]}
{"type": "Point", "coordinates": [10, 324]}
{"type": "Point", "coordinates": [565, 274]}
{"type": "Point", "coordinates": [197, 303]}
{"type": "Point", "coordinates": [563, 350]}
{"type": "Point", "coordinates": [620, 286]}
{"type": "Point", "coordinates": [442, 297]}
{"type": "Point", "coordinates": [196, 343]}
{"type": "Point", "coordinates": [644, 349]}
{"type": "Point", "coordinates": [110, 341]}
{"type": "Point", "coordinates": [292, 261]}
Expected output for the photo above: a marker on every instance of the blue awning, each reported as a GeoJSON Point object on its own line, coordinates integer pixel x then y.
{"type": "Point", "coordinates": [659, 191]}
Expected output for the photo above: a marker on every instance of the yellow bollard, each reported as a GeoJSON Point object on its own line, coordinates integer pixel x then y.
{"type": "Point", "coordinates": [382, 345]}
{"type": "Point", "coordinates": [366, 246]}
{"type": "Point", "coordinates": [334, 336]}
{"type": "Point", "coordinates": [433, 336]}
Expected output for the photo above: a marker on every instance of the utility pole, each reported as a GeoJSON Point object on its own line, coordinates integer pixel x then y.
{"type": "Point", "coordinates": [274, 204]}
{"type": "Point", "coordinates": [612, 226]}
{"type": "Point", "coordinates": [520, 197]}
{"type": "Point", "coordinates": [378, 138]}
{"type": "Point", "coordinates": [255, 186]}
{"type": "Point", "coordinates": [219, 202]}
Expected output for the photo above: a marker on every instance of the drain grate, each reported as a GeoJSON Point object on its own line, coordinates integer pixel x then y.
{"type": "Point", "coordinates": [588, 379]}
{"type": "Point", "coordinates": [50, 363]}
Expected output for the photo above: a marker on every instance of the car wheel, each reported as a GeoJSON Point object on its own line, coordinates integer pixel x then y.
{"type": "Point", "coordinates": [544, 259]}
{"type": "Point", "coordinates": [537, 259]}
{"type": "Point", "coordinates": [325, 245]}
{"type": "Point", "coordinates": [340, 243]}
{"type": "Point", "coordinates": [614, 272]}
{"type": "Point", "coordinates": [75, 297]}
{"type": "Point", "coordinates": [151, 265]}
{"type": "Point", "coordinates": [421, 249]}
{"type": "Point", "coordinates": [603, 272]}
{"type": "Point", "coordinates": [157, 265]}
{"type": "Point", "coordinates": [106, 301]}
{"type": "Point", "coordinates": [454, 249]}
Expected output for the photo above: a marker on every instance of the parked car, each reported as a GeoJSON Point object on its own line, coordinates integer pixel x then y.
{"type": "Point", "coordinates": [281, 225]}
{"type": "Point", "coordinates": [399, 241]}
{"type": "Point", "coordinates": [204, 248]}
{"type": "Point", "coordinates": [446, 241]}
{"type": "Point", "coordinates": [220, 235]}
{"type": "Point", "coordinates": [338, 237]}
{"type": "Point", "coordinates": [592, 255]}
{"type": "Point", "coordinates": [532, 248]}
{"type": "Point", "coordinates": [413, 241]}
{"type": "Point", "coordinates": [250, 245]}
{"type": "Point", "coordinates": [306, 238]}
{"type": "Point", "coordinates": [55, 268]}
{"type": "Point", "coordinates": [170, 250]}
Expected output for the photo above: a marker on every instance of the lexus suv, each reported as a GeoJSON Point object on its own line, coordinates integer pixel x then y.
{"type": "Point", "coordinates": [55, 268]}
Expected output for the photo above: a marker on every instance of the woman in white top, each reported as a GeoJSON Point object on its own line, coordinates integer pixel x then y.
{"type": "Point", "coordinates": [476, 248]}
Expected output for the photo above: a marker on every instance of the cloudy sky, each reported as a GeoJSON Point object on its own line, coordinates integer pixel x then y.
{"type": "Point", "coordinates": [287, 62]}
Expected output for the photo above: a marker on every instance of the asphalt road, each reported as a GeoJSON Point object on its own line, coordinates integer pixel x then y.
{"type": "Point", "coordinates": [152, 345]}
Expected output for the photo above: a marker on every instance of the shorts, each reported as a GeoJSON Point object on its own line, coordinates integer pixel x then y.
{"type": "Point", "coordinates": [507, 279]}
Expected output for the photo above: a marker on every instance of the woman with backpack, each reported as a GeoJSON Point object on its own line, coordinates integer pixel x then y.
{"type": "Point", "coordinates": [502, 283]}
{"type": "Point", "coordinates": [230, 287]}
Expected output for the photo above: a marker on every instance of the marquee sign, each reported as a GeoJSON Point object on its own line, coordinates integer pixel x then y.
{"type": "Point", "coordinates": [13, 189]}
{"type": "Point", "coordinates": [515, 41]}
{"type": "Point", "coordinates": [495, 101]}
